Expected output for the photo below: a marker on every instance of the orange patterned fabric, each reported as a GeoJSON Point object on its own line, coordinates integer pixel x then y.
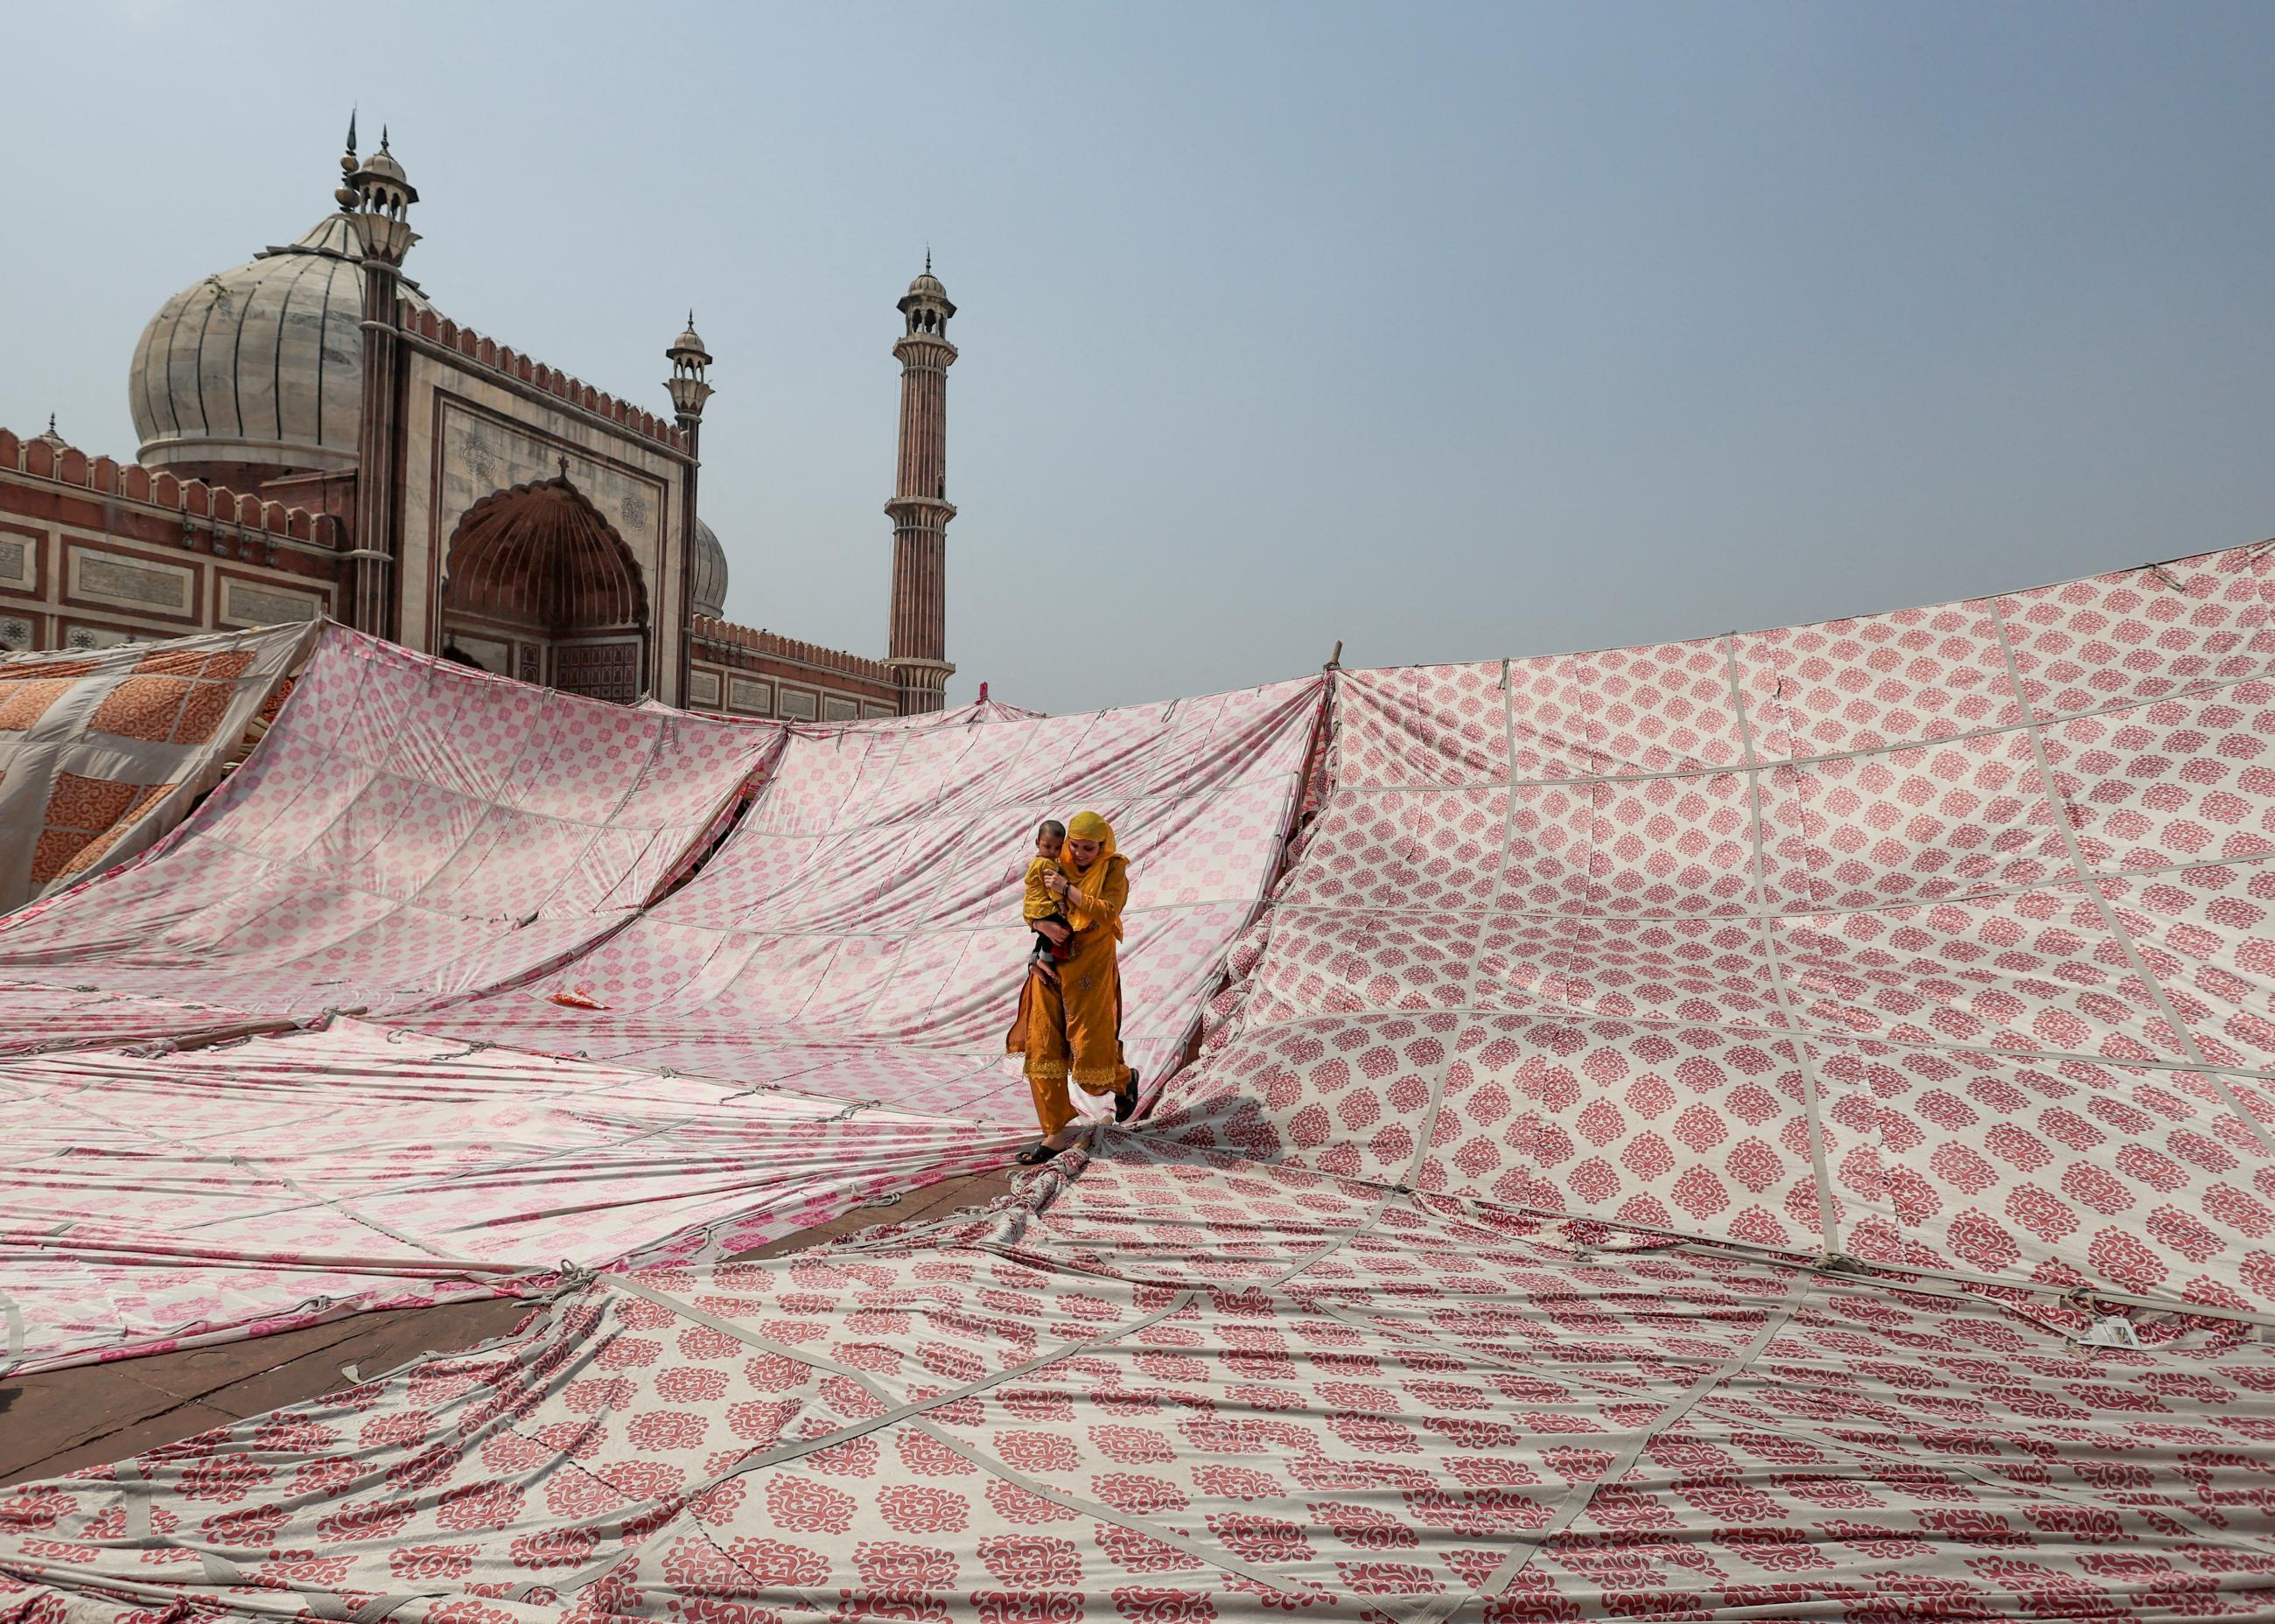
{"type": "Point", "coordinates": [202, 712]}
{"type": "Point", "coordinates": [143, 707]}
{"type": "Point", "coordinates": [226, 667]}
{"type": "Point", "coordinates": [93, 746]}
{"type": "Point", "coordinates": [23, 702]}
{"type": "Point", "coordinates": [163, 709]}
{"type": "Point", "coordinates": [54, 848]}
{"type": "Point", "coordinates": [79, 809]}
{"type": "Point", "coordinates": [91, 853]}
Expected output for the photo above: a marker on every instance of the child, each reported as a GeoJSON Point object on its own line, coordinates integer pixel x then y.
{"type": "Point", "coordinates": [1040, 907]}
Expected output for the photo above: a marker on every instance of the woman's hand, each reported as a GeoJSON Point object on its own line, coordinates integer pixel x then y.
{"type": "Point", "coordinates": [1058, 935]}
{"type": "Point", "coordinates": [1056, 885]}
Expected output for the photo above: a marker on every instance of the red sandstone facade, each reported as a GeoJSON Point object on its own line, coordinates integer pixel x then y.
{"type": "Point", "coordinates": [95, 552]}
{"type": "Point", "coordinates": [320, 441]}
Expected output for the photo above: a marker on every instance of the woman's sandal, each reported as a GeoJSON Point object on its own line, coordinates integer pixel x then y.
{"type": "Point", "coordinates": [1125, 1100]}
{"type": "Point", "coordinates": [1036, 1154]}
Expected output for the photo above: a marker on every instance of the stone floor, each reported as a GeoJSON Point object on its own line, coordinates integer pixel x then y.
{"type": "Point", "coordinates": [62, 1420]}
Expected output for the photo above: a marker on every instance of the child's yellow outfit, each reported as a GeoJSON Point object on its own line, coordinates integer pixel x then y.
{"type": "Point", "coordinates": [1041, 906]}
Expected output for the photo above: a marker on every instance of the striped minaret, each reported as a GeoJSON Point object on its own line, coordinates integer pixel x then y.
{"type": "Point", "coordinates": [916, 648]}
{"type": "Point", "coordinates": [376, 197]}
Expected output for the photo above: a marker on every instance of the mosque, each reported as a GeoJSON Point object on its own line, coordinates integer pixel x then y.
{"type": "Point", "coordinates": [318, 439]}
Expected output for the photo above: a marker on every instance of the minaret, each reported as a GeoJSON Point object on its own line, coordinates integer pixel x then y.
{"type": "Point", "coordinates": [916, 648]}
{"type": "Point", "coordinates": [689, 388]}
{"type": "Point", "coordinates": [376, 197]}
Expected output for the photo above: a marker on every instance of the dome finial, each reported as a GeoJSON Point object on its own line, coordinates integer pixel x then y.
{"type": "Point", "coordinates": [346, 195]}
{"type": "Point", "coordinates": [927, 259]}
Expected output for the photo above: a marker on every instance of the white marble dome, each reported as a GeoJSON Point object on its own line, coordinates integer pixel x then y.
{"type": "Point", "coordinates": [709, 572]}
{"type": "Point", "coordinates": [261, 366]}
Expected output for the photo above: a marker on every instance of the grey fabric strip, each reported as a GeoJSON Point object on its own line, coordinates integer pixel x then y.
{"type": "Point", "coordinates": [1828, 1220]}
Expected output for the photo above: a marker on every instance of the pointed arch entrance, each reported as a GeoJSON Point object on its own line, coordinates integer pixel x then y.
{"type": "Point", "coordinates": [540, 586]}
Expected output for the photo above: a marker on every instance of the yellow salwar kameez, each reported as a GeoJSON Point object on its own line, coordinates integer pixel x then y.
{"type": "Point", "coordinates": [1071, 1031]}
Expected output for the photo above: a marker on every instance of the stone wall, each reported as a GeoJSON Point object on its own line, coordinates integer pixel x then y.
{"type": "Point", "coordinates": [95, 552]}
{"type": "Point", "coordinates": [747, 671]}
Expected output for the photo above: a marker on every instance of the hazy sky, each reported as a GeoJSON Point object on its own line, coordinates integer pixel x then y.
{"type": "Point", "coordinates": [1450, 331]}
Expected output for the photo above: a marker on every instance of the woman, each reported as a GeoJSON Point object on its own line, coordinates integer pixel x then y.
{"type": "Point", "coordinates": [1070, 1025]}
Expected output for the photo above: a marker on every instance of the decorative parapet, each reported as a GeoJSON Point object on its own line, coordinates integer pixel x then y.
{"type": "Point", "coordinates": [510, 364]}
{"type": "Point", "coordinates": [723, 639]}
{"type": "Point", "coordinates": [213, 509]}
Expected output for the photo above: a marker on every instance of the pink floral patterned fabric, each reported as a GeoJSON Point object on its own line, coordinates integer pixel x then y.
{"type": "Point", "coordinates": [859, 937]}
{"type": "Point", "coordinates": [1939, 940]}
{"type": "Point", "coordinates": [147, 1202]}
{"type": "Point", "coordinates": [1182, 1386]}
{"type": "Point", "coordinates": [1766, 1127]}
{"type": "Point", "coordinates": [408, 828]}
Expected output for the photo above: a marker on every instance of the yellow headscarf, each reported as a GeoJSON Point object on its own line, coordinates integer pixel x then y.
{"type": "Point", "coordinates": [1091, 882]}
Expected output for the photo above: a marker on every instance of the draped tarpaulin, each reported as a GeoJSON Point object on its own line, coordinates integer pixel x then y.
{"type": "Point", "coordinates": [408, 828]}
{"type": "Point", "coordinates": [150, 1201]}
{"type": "Point", "coordinates": [858, 936]}
{"type": "Point", "coordinates": [1939, 938]}
{"type": "Point", "coordinates": [146, 1199]}
{"type": "Point", "coordinates": [955, 716]}
{"type": "Point", "coordinates": [1193, 1389]}
{"type": "Point", "coordinates": [1765, 1128]}
{"type": "Point", "coordinates": [101, 751]}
